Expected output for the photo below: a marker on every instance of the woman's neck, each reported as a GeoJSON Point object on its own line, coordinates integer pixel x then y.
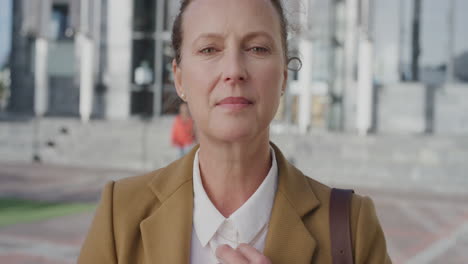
{"type": "Point", "coordinates": [232, 172]}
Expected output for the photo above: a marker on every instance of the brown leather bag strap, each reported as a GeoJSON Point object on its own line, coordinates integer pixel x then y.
{"type": "Point", "coordinates": [340, 231]}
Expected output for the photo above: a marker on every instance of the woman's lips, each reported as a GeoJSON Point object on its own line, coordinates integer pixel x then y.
{"type": "Point", "coordinates": [234, 103]}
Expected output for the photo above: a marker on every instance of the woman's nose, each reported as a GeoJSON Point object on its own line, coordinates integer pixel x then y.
{"type": "Point", "coordinates": [234, 70]}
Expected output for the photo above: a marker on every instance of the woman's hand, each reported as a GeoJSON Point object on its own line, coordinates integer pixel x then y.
{"type": "Point", "coordinates": [243, 254]}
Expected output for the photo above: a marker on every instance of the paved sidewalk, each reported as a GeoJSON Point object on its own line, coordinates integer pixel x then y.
{"type": "Point", "coordinates": [420, 227]}
{"type": "Point", "coordinates": [55, 183]}
{"type": "Point", "coordinates": [423, 227]}
{"type": "Point", "coordinates": [52, 241]}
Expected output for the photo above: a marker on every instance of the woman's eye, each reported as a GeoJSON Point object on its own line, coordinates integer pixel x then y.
{"type": "Point", "coordinates": [260, 50]}
{"type": "Point", "coordinates": [208, 50]}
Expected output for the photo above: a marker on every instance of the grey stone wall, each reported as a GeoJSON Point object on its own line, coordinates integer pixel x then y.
{"type": "Point", "coordinates": [401, 108]}
{"type": "Point", "coordinates": [451, 110]}
{"type": "Point", "coordinates": [64, 97]}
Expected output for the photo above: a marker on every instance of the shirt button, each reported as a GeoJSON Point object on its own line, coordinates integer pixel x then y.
{"type": "Point", "coordinates": [228, 231]}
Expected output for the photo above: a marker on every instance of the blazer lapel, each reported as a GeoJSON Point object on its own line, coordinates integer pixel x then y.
{"type": "Point", "coordinates": [167, 232]}
{"type": "Point", "coordinates": [288, 239]}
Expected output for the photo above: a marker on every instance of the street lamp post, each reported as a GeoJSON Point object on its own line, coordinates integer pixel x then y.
{"type": "Point", "coordinates": [416, 52]}
{"type": "Point", "coordinates": [450, 78]}
{"type": "Point", "coordinates": [401, 39]}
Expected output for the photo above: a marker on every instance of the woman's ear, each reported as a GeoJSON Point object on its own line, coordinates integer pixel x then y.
{"type": "Point", "coordinates": [177, 78]}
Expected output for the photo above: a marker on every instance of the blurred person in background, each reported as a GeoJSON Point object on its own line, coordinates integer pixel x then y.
{"type": "Point", "coordinates": [183, 135]}
{"type": "Point", "coordinates": [234, 198]}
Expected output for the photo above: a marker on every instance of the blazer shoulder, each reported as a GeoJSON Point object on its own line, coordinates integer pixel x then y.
{"type": "Point", "coordinates": [362, 207]}
{"type": "Point", "coordinates": [133, 194]}
{"type": "Point", "coordinates": [135, 184]}
{"type": "Point", "coordinates": [321, 191]}
{"type": "Point", "coordinates": [368, 239]}
{"type": "Point", "coordinates": [367, 234]}
{"type": "Point", "coordinates": [153, 186]}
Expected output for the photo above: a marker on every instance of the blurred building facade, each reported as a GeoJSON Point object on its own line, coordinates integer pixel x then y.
{"type": "Point", "coordinates": [357, 77]}
{"type": "Point", "coordinates": [111, 59]}
{"type": "Point", "coordinates": [92, 58]}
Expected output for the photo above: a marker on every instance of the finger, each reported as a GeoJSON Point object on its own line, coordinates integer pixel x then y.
{"type": "Point", "coordinates": [227, 255]}
{"type": "Point", "coordinates": [252, 254]}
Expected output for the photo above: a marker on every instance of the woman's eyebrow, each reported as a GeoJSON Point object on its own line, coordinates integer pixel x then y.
{"type": "Point", "coordinates": [204, 36]}
{"type": "Point", "coordinates": [255, 34]}
{"type": "Point", "coordinates": [247, 37]}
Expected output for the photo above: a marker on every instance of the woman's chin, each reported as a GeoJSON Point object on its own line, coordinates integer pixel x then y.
{"type": "Point", "coordinates": [235, 132]}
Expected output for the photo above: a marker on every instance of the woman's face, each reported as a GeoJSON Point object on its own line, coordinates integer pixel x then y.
{"type": "Point", "coordinates": [232, 70]}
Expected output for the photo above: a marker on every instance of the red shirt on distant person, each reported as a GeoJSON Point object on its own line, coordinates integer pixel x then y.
{"type": "Point", "coordinates": [183, 136]}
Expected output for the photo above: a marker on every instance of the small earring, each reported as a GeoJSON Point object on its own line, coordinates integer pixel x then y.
{"type": "Point", "coordinates": [183, 96]}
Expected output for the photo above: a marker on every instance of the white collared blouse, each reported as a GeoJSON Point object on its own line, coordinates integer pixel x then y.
{"type": "Point", "coordinates": [248, 224]}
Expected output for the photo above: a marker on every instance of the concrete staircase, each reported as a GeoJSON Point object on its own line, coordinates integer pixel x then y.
{"type": "Point", "coordinates": [426, 163]}
{"type": "Point", "coordinates": [95, 144]}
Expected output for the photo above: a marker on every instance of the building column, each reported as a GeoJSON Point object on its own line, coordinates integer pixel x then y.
{"type": "Point", "coordinates": [117, 77]}
{"type": "Point", "coordinates": [365, 93]}
{"type": "Point", "coordinates": [85, 46]}
{"type": "Point", "coordinates": [41, 84]}
{"type": "Point", "coordinates": [349, 97]}
{"type": "Point", "coordinates": [365, 90]}
{"type": "Point", "coordinates": [158, 87]}
{"type": "Point", "coordinates": [305, 84]}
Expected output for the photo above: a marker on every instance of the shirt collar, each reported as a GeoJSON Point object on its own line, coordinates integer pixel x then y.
{"type": "Point", "coordinates": [249, 219]}
{"type": "Point", "coordinates": [206, 218]}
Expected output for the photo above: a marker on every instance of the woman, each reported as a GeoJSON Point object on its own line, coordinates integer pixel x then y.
{"type": "Point", "coordinates": [182, 134]}
{"type": "Point", "coordinates": [235, 198]}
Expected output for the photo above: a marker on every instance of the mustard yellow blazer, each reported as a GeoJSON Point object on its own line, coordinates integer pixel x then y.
{"type": "Point", "coordinates": [148, 219]}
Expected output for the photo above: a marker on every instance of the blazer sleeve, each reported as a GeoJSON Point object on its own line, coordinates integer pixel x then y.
{"type": "Point", "coordinates": [368, 237]}
{"type": "Point", "coordinates": [99, 245]}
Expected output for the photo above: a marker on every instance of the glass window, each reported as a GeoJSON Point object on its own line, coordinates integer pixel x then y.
{"type": "Point", "coordinates": [143, 77]}
{"type": "Point", "coordinates": [143, 61]}
{"type": "Point", "coordinates": [59, 24]}
{"type": "Point", "coordinates": [144, 14]}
